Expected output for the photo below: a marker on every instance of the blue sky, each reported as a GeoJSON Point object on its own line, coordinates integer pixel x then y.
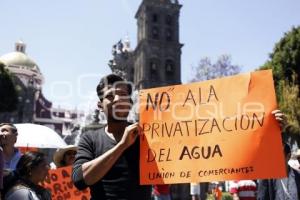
{"type": "Point", "coordinates": [71, 40]}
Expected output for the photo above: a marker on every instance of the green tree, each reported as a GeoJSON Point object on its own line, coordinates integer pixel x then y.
{"type": "Point", "coordinates": [289, 103]}
{"type": "Point", "coordinates": [206, 70]}
{"type": "Point", "coordinates": [8, 93]}
{"type": "Point", "coordinates": [285, 58]}
{"type": "Point", "coordinates": [285, 63]}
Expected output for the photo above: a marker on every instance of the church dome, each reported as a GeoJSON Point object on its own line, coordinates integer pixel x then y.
{"type": "Point", "coordinates": [15, 59]}
{"type": "Point", "coordinates": [20, 64]}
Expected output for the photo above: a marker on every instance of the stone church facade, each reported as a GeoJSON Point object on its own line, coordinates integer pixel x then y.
{"type": "Point", "coordinates": [156, 61]}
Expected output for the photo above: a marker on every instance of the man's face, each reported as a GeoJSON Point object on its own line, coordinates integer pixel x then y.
{"type": "Point", "coordinates": [8, 135]}
{"type": "Point", "coordinates": [116, 102]}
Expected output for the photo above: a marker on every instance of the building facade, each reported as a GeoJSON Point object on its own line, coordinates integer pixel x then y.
{"type": "Point", "coordinates": [156, 61]}
{"type": "Point", "coordinates": [33, 107]}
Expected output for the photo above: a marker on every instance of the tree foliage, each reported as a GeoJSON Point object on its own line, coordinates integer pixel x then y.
{"type": "Point", "coordinates": [289, 103]}
{"type": "Point", "coordinates": [285, 58]}
{"type": "Point", "coordinates": [8, 93]}
{"type": "Point", "coordinates": [206, 70]}
{"type": "Point", "coordinates": [285, 63]}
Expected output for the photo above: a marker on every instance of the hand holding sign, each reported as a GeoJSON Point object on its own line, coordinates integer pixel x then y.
{"type": "Point", "coordinates": [280, 117]}
{"type": "Point", "coordinates": [130, 134]}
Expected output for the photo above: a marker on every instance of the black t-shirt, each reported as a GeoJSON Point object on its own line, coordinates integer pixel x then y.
{"type": "Point", "coordinates": [122, 180]}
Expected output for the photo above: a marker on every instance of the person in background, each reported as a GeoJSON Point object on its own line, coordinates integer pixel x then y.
{"type": "Point", "coordinates": [8, 138]}
{"type": "Point", "coordinates": [217, 191]}
{"type": "Point", "coordinates": [286, 188]}
{"type": "Point", "coordinates": [1, 171]}
{"type": "Point", "coordinates": [243, 190]}
{"type": "Point", "coordinates": [31, 169]}
{"type": "Point", "coordinates": [64, 157]}
{"type": "Point", "coordinates": [180, 191]}
{"type": "Point", "coordinates": [161, 192]}
{"type": "Point", "coordinates": [298, 158]}
{"type": "Point", "coordinates": [293, 162]}
{"type": "Point", "coordinates": [195, 191]}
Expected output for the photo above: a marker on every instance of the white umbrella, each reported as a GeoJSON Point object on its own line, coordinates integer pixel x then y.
{"type": "Point", "coordinates": [34, 135]}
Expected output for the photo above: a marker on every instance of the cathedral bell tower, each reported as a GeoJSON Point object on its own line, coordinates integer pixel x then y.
{"type": "Point", "coordinates": [157, 55]}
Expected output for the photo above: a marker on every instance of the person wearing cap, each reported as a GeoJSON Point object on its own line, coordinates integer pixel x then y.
{"type": "Point", "coordinates": [281, 189]}
{"type": "Point", "coordinates": [107, 159]}
{"type": "Point", "coordinates": [8, 138]}
{"type": "Point", "coordinates": [65, 156]}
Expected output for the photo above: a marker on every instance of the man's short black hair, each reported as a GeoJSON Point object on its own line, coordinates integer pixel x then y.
{"type": "Point", "coordinates": [110, 80]}
{"type": "Point", "coordinates": [13, 127]}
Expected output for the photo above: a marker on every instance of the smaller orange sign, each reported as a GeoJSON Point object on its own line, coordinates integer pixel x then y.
{"type": "Point", "coordinates": [60, 184]}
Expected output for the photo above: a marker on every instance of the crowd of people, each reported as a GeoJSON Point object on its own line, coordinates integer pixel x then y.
{"type": "Point", "coordinates": [268, 189]}
{"type": "Point", "coordinates": [107, 161]}
{"type": "Point", "coordinates": [21, 175]}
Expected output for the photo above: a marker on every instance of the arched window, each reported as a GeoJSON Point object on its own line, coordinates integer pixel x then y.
{"type": "Point", "coordinates": [168, 34]}
{"type": "Point", "coordinates": [154, 18]}
{"type": "Point", "coordinates": [168, 19]}
{"type": "Point", "coordinates": [155, 33]}
{"type": "Point", "coordinates": [169, 67]}
{"type": "Point", "coordinates": [154, 68]}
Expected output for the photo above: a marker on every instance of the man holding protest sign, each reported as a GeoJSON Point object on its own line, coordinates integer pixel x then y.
{"type": "Point", "coordinates": [107, 159]}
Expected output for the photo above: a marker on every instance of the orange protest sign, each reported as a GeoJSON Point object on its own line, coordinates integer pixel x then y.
{"type": "Point", "coordinates": [215, 130]}
{"type": "Point", "coordinates": [59, 182]}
